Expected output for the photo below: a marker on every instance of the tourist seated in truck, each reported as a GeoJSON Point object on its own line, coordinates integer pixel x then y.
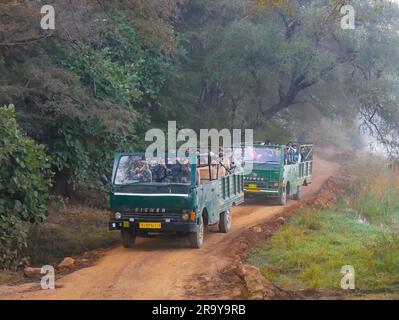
{"type": "Point", "coordinates": [139, 172]}
{"type": "Point", "coordinates": [179, 172]}
{"type": "Point", "coordinates": [132, 172]}
{"type": "Point", "coordinates": [160, 172]}
{"type": "Point", "coordinates": [185, 173]}
{"type": "Point", "coordinates": [145, 174]}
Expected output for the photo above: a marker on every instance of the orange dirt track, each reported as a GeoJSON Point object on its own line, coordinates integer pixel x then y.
{"type": "Point", "coordinates": [160, 268]}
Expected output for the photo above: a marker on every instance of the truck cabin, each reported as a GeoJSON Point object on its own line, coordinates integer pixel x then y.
{"type": "Point", "coordinates": [267, 163]}
{"type": "Point", "coordinates": [278, 171]}
{"type": "Point", "coordinates": [264, 155]}
{"type": "Point", "coordinates": [135, 171]}
{"type": "Point", "coordinates": [181, 171]}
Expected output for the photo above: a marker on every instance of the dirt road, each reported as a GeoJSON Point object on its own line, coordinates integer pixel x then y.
{"type": "Point", "coordinates": [159, 268]}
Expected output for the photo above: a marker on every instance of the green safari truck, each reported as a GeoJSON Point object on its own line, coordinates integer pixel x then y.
{"type": "Point", "coordinates": [278, 171]}
{"type": "Point", "coordinates": [181, 195]}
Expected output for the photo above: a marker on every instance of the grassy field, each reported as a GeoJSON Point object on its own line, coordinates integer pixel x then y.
{"type": "Point", "coordinates": [361, 230]}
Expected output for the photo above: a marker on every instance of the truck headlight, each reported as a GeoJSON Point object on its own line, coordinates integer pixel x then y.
{"type": "Point", "coordinates": [118, 215]}
{"type": "Point", "coordinates": [185, 216]}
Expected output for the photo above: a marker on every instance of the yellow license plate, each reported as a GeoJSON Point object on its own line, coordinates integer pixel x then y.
{"type": "Point", "coordinates": [252, 187]}
{"type": "Point", "coordinates": [150, 225]}
{"type": "Point", "coordinates": [126, 224]}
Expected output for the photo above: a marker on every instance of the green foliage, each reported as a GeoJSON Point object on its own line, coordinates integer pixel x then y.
{"type": "Point", "coordinates": [120, 72]}
{"type": "Point", "coordinates": [25, 179]}
{"type": "Point", "coordinates": [118, 67]}
{"type": "Point", "coordinates": [87, 99]}
{"type": "Point", "coordinates": [258, 61]}
{"type": "Point", "coordinates": [100, 83]}
{"type": "Point", "coordinates": [108, 79]}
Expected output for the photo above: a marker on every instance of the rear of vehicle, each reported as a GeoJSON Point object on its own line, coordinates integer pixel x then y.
{"type": "Point", "coordinates": [306, 164]}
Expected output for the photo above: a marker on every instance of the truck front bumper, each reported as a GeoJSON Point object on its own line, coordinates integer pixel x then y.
{"type": "Point", "coordinates": [162, 227]}
{"type": "Point", "coordinates": [263, 192]}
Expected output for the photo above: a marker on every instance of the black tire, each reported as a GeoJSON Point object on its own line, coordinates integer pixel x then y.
{"type": "Point", "coordinates": [128, 238]}
{"type": "Point", "coordinates": [197, 238]}
{"type": "Point", "coordinates": [298, 194]}
{"type": "Point", "coordinates": [225, 222]}
{"type": "Point", "coordinates": [282, 200]}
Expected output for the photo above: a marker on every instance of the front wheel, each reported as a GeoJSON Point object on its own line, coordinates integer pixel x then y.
{"type": "Point", "coordinates": [197, 238]}
{"type": "Point", "coordinates": [298, 194]}
{"type": "Point", "coordinates": [128, 238]}
{"type": "Point", "coordinates": [225, 221]}
{"type": "Point", "coordinates": [282, 200]}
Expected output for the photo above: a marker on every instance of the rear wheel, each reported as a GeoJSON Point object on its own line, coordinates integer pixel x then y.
{"type": "Point", "coordinates": [298, 194]}
{"type": "Point", "coordinates": [128, 238]}
{"type": "Point", "coordinates": [197, 238]}
{"type": "Point", "coordinates": [225, 221]}
{"type": "Point", "coordinates": [282, 200]}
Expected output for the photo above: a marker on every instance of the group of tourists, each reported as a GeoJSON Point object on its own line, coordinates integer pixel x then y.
{"type": "Point", "coordinates": [160, 172]}
{"type": "Point", "coordinates": [294, 155]}
{"type": "Point", "coordinates": [227, 162]}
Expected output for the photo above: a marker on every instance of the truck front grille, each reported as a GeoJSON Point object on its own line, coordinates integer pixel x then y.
{"type": "Point", "coordinates": [152, 217]}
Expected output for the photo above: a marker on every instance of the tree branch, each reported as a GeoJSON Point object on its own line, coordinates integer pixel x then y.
{"type": "Point", "coordinates": [26, 41]}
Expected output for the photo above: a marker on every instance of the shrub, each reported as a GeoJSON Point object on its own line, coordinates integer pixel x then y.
{"type": "Point", "coordinates": [25, 179]}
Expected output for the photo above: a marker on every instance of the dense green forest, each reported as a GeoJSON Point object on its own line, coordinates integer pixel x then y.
{"type": "Point", "coordinates": [113, 69]}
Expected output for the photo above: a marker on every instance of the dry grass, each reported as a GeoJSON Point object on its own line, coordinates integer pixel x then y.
{"type": "Point", "coordinates": [8, 276]}
{"type": "Point", "coordinates": [70, 230]}
{"type": "Point", "coordinates": [360, 230]}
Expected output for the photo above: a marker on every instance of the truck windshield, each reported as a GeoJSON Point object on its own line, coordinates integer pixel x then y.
{"type": "Point", "coordinates": [263, 155]}
{"type": "Point", "coordinates": [137, 170]}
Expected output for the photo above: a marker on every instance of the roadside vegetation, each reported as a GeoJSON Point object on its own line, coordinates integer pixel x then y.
{"type": "Point", "coordinates": [69, 230]}
{"type": "Point", "coordinates": [360, 230]}
{"type": "Point", "coordinates": [25, 181]}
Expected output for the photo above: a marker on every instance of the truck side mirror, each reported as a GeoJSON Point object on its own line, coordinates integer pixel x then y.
{"type": "Point", "coordinates": [104, 179]}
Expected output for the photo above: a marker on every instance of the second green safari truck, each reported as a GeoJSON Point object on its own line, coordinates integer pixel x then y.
{"type": "Point", "coordinates": [278, 171]}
